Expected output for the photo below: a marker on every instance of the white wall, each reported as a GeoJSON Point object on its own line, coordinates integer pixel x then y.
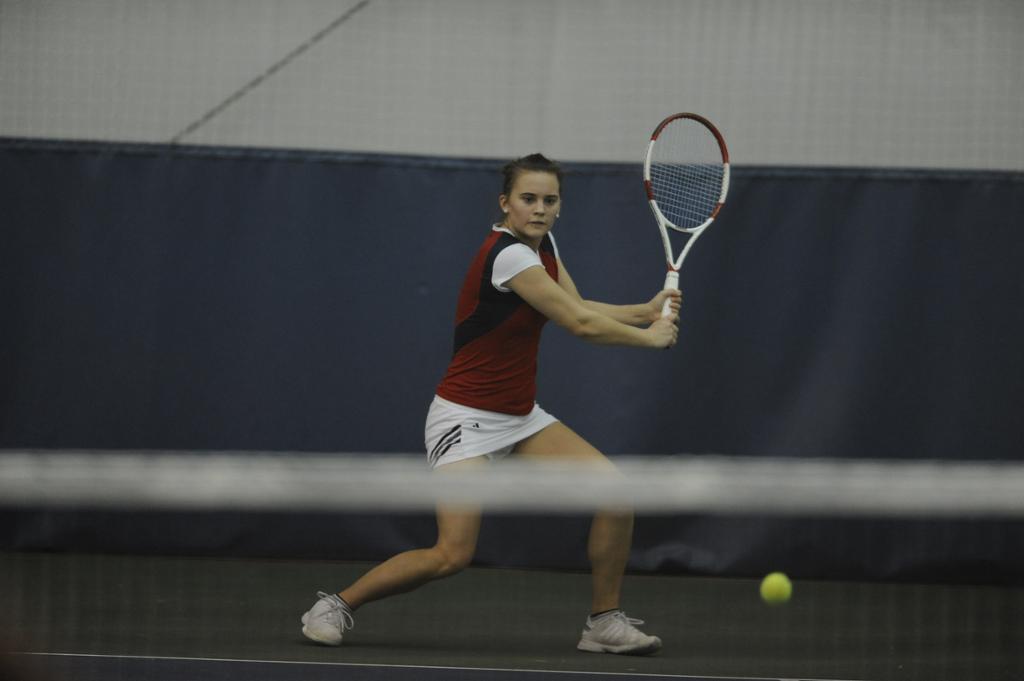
{"type": "Point", "coordinates": [911, 83]}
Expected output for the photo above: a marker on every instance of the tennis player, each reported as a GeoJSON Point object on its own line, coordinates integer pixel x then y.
{"type": "Point", "coordinates": [484, 408]}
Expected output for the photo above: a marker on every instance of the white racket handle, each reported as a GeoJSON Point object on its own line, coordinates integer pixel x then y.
{"type": "Point", "coordinates": [672, 282]}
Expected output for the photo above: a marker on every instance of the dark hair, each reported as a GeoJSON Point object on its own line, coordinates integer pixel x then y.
{"type": "Point", "coordinates": [533, 162]}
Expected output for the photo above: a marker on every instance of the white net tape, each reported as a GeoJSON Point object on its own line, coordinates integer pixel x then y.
{"type": "Point", "coordinates": [376, 482]}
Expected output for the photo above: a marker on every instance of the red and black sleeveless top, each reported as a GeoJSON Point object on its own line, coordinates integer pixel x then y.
{"type": "Point", "coordinates": [497, 334]}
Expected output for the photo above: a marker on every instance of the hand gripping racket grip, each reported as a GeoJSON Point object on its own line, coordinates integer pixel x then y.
{"type": "Point", "coordinates": [672, 282]}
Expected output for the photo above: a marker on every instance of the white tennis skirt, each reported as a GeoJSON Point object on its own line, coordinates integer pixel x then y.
{"type": "Point", "coordinates": [455, 433]}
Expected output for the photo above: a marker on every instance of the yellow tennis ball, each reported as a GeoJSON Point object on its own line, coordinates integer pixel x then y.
{"type": "Point", "coordinates": [776, 588]}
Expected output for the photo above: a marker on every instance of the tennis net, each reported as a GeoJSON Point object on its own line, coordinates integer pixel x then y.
{"type": "Point", "coordinates": [395, 482]}
{"type": "Point", "coordinates": [194, 564]}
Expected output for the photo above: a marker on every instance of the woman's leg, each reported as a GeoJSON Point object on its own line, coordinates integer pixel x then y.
{"type": "Point", "coordinates": [611, 533]}
{"type": "Point", "coordinates": [457, 531]}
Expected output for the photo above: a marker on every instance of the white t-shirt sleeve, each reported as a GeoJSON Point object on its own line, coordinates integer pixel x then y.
{"type": "Point", "coordinates": [511, 261]}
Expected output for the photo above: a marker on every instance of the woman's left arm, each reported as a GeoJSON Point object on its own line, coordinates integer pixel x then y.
{"type": "Point", "coordinates": [640, 314]}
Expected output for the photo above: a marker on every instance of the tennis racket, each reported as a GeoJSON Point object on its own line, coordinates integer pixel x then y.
{"type": "Point", "coordinates": [686, 176]}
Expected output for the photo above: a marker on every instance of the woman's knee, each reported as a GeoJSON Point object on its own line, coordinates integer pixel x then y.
{"type": "Point", "coordinates": [619, 517]}
{"type": "Point", "coordinates": [454, 558]}
{"type": "Point", "coordinates": [457, 532]}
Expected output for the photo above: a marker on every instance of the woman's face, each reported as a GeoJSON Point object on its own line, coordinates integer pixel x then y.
{"type": "Point", "coordinates": [531, 208]}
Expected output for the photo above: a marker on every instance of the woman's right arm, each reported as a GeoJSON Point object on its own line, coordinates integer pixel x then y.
{"type": "Point", "coordinates": [543, 293]}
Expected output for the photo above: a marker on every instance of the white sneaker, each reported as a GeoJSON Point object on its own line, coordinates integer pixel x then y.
{"type": "Point", "coordinates": [616, 633]}
{"type": "Point", "coordinates": [327, 620]}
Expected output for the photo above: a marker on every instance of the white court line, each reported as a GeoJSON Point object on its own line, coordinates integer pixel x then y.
{"type": "Point", "coordinates": [416, 666]}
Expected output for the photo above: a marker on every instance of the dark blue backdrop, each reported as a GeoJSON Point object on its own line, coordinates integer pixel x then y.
{"type": "Point", "coordinates": [242, 299]}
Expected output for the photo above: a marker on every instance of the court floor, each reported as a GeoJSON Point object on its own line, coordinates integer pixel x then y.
{"type": "Point", "coordinates": [107, 617]}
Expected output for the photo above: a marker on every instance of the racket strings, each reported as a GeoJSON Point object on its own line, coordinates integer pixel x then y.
{"type": "Point", "coordinates": [687, 173]}
{"type": "Point", "coordinates": [687, 195]}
